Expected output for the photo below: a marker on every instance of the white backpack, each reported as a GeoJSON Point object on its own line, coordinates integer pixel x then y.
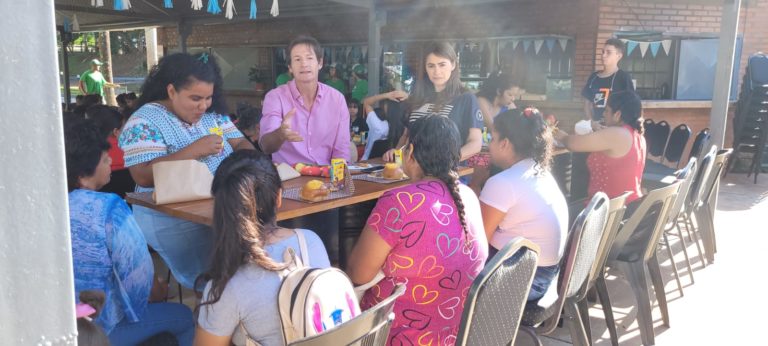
{"type": "Point", "coordinates": [311, 300]}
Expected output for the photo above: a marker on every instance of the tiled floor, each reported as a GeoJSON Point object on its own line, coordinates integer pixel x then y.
{"type": "Point", "coordinates": [725, 305]}
{"type": "Point", "coordinates": [715, 310]}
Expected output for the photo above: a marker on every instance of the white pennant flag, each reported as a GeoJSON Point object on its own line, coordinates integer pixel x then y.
{"type": "Point", "coordinates": [537, 45]}
{"type": "Point", "coordinates": [229, 9]}
{"type": "Point", "coordinates": [97, 3]}
{"type": "Point", "coordinates": [515, 43]}
{"type": "Point", "coordinates": [197, 5]}
{"type": "Point", "coordinates": [275, 11]}
{"type": "Point", "coordinates": [126, 4]}
{"type": "Point", "coordinates": [643, 48]}
{"type": "Point", "coordinates": [563, 43]}
{"type": "Point", "coordinates": [667, 45]}
{"type": "Point", "coordinates": [75, 23]}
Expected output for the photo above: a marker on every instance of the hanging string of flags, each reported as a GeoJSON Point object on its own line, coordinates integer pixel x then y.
{"type": "Point", "coordinates": [654, 46]}
{"type": "Point", "coordinates": [538, 43]}
{"type": "Point", "coordinates": [197, 5]}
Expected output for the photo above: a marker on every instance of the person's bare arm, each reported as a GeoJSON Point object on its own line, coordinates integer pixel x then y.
{"type": "Point", "coordinates": [204, 338]}
{"type": "Point", "coordinates": [588, 110]}
{"type": "Point", "coordinates": [240, 144]}
{"type": "Point", "coordinates": [389, 156]}
{"type": "Point", "coordinates": [367, 257]}
{"type": "Point", "coordinates": [271, 142]}
{"type": "Point", "coordinates": [492, 217]}
{"type": "Point", "coordinates": [473, 145]}
{"type": "Point", "coordinates": [208, 145]}
{"type": "Point", "coordinates": [81, 86]}
{"type": "Point", "coordinates": [485, 108]}
{"type": "Point", "coordinates": [614, 141]}
{"type": "Point", "coordinates": [395, 95]}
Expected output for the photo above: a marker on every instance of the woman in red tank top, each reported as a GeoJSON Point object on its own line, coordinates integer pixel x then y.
{"type": "Point", "coordinates": [617, 150]}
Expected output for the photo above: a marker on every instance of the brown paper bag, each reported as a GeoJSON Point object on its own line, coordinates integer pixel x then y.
{"type": "Point", "coordinates": [181, 181]}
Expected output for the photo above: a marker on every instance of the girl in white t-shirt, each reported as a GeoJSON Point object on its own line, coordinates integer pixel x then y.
{"type": "Point", "coordinates": [524, 199]}
{"type": "Point", "coordinates": [386, 121]}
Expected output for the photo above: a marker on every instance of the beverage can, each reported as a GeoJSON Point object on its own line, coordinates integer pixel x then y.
{"type": "Point", "coordinates": [398, 156]}
{"type": "Point", "coordinates": [338, 167]}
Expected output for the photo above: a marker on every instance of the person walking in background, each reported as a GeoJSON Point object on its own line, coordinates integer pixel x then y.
{"type": "Point", "coordinates": [92, 82]}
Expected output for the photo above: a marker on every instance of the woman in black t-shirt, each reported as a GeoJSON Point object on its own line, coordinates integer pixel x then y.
{"type": "Point", "coordinates": [601, 84]}
{"type": "Point", "coordinates": [440, 92]}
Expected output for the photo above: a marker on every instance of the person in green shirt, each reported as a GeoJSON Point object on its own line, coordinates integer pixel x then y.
{"type": "Point", "coordinates": [283, 78]}
{"type": "Point", "coordinates": [334, 80]}
{"type": "Point", "coordinates": [92, 82]}
{"type": "Point", "coordinates": [360, 90]}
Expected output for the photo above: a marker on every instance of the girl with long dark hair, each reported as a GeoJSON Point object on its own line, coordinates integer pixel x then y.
{"type": "Point", "coordinates": [242, 282]}
{"type": "Point", "coordinates": [440, 92]}
{"type": "Point", "coordinates": [179, 117]}
{"type": "Point", "coordinates": [385, 122]}
{"type": "Point", "coordinates": [524, 199]}
{"type": "Point", "coordinates": [428, 233]}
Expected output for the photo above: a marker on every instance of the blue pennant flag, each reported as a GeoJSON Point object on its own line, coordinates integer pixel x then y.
{"type": "Point", "coordinates": [168, 4]}
{"type": "Point", "coordinates": [254, 9]}
{"type": "Point", "coordinates": [631, 45]}
{"type": "Point", "coordinates": [119, 5]}
{"type": "Point", "coordinates": [213, 7]}
{"type": "Point", "coordinates": [550, 42]}
{"type": "Point", "coordinates": [655, 48]}
{"type": "Point", "coordinates": [526, 45]}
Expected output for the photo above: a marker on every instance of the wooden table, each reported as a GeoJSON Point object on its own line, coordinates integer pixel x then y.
{"type": "Point", "coordinates": [202, 211]}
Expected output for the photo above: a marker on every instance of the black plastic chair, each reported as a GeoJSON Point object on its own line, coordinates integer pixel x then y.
{"type": "Point", "coordinates": [498, 295]}
{"type": "Point", "coordinates": [703, 208]}
{"type": "Point", "coordinates": [541, 316]}
{"type": "Point", "coordinates": [634, 250]}
{"type": "Point", "coordinates": [656, 138]}
{"type": "Point", "coordinates": [699, 143]}
{"type": "Point", "coordinates": [678, 139]}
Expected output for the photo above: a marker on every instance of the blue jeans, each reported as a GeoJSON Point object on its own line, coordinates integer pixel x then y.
{"type": "Point", "coordinates": [160, 317]}
{"type": "Point", "coordinates": [185, 246]}
{"type": "Point", "coordinates": [541, 281]}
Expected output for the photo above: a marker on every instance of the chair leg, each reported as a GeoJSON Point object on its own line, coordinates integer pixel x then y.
{"type": "Point", "coordinates": [575, 325]}
{"type": "Point", "coordinates": [658, 285]}
{"type": "Point", "coordinates": [585, 323]}
{"type": "Point", "coordinates": [605, 302]}
{"type": "Point", "coordinates": [674, 264]}
{"type": "Point", "coordinates": [532, 333]}
{"type": "Point", "coordinates": [691, 230]}
{"type": "Point", "coordinates": [711, 214]}
{"type": "Point", "coordinates": [685, 251]}
{"type": "Point", "coordinates": [706, 232]}
{"type": "Point", "coordinates": [635, 273]}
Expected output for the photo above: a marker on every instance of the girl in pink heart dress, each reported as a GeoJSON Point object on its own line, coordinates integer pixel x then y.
{"type": "Point", "coordinates": [428, 235]}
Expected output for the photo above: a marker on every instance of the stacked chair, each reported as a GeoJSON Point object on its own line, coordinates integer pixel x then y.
{"type": "Point", "coordinates": [750, 123]}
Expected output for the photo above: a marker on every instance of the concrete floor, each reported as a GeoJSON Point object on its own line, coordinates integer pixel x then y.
{"type": "Point", "coordinates": [706, 314]}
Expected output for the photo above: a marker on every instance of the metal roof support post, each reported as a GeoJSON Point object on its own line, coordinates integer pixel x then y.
{"type": "Point", "coordinates": [150, 40]}
{"type": "Point", "coordinates": [718, 116]}
{"type": "Point", "coordinates": [376, 19]}
{"type": "Point", "coordinates": [38, 300]}
{"type": "Point", "coordinates": [184, 30]}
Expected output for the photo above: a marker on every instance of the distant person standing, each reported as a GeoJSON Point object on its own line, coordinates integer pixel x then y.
{"type": "Point", "coordinates": [283, 78]}
{"type": "Point", "coordinates": [92, 82]}
{"type": "Point", "coordinates": [334, 80]}
{"type": "Point", "coordinates": [360, 89]}
{"type": "Point", "coordinates": [602, 83]}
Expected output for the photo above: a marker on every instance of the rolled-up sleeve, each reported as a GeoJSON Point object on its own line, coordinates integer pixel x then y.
{"type": "Point", "coordinates": [271, 113]}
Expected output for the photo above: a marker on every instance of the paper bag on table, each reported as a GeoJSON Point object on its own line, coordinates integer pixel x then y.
{"type": "Point", "coordinates": [286, 172]}
{"type": "Point", "coordinates": [181, 181]}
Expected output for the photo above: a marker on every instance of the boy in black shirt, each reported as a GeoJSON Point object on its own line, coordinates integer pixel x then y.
{"type": "Point", "coordinates": [601, 84]}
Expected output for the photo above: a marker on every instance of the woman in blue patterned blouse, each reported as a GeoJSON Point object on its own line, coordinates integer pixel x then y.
{"type": "Point", "coordinates": [179, 117]}
{"type": "Point", "coordinates": [108, 250]}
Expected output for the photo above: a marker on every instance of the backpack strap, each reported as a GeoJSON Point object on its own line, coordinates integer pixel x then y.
{"type": "Point", "coordinates": [249, 341]}
{"type": "Point", "coordinates": [304, 255]}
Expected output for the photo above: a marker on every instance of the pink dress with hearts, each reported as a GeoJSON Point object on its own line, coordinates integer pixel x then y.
{"type": "Point", "coordinates": [420, 222]}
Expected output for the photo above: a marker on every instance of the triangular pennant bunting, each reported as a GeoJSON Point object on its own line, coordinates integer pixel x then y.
{"type": "Point", "coordinates": [655, 48]}
{"type": "Point", "coordinates": [667, 45]}
{"type": "Point", "coordinates": [229, 9]}
{"type": "Point", "coordinates": [515, 43]}
{"type": "Point", "coordinates": [526, 45]}
{"type": "Point", "coordinates": [275, 10]}
{"type": "Point", "coordinates": [75, 23]}
{"type": "Point", "coordinates": [563, 43]}
{"type": "Point", "coordinates": [631, 45]}
{"type": "Point", "coordinates": [213, 7]}
{"type": "Point", "coordinates": [537, 45]}
{"type": "Point", "coordinates": [168, 3]}
{"type": "Point", "coordinates": [254, 10]}
{"type": "Point", "coordinates": [197, 5]}
{"type": "Point", "coordinates": [643, 48]}
{"type": "Point", "coordinates": [550, 44]}
{"type": "Point", "coordinates": [97, 3]}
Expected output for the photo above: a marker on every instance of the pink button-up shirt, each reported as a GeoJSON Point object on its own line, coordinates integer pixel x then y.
{"type": "Point", "coordinates": [325, 128]}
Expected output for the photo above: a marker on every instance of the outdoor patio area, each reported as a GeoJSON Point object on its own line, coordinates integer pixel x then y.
{"type": "Point", "coordinates": [706, 315]}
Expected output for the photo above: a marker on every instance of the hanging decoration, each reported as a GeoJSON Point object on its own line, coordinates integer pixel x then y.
{"type": "Point", "coordinates": [643, 48]}
{"type": "Point", "coordinates": [666, 45]}
{"type": "Point", "coordinates": [563, 43]}
{"type": "Point", "coordinates": [515, 43]}
{"type": "Point", "coordinates": [275, 11]}
{"type": "Point", "coordinates": [254, 10]}
{"type": "Point", "coordinates": [631, 45]}
{"type": "Point", "coordinates": [168, 3]}
{"type": "Point", "coordinates": [655, 48]}
{"type": "Point", "coordinates": [97, 3]}
{"type": "Point", "coordinates": [526, 45]}
{"type": "Point", "coordinates": [67, 26]}
{"type": "Point", "coordinates": [122, 5]}
{"type": "Point", "coordinates": [213, 7]}
{"type": "Point", "coordinates": [229, 9]}
{"type": "Point", "coordinates": [197, 5]}
{"type": "Point", "coordinates": [537, 45]}
{"type": "Point", "coordinates": [550, 42]}
{"type": "Point", "coordinates": [75, 23]}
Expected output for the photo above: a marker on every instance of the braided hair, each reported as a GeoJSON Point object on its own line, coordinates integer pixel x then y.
{"type": "Point", "coordinates": [245, 190]}
{"type": "Point", "coordinates": [436, 147]}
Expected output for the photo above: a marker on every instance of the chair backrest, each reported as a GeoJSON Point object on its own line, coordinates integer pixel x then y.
{"type": "Point", "coordinates": [686, 177]}
{"type": "Point", "coordinates": [379, 148]}
{"type": "Point", "coordinates": [580, 253]}
{"type": "Point", "coordinates": [497, 297]}
{"type": "Point", "coordinates": [714, 175]}
{"type": "Point", "coordinates": [697, 187]}
{"type": "Point", "coordinates": [657, 138]}
{"type": "Point", "coordinates": [616, 209]}
{"type": "Point", "coordinates": [652, 212]}
{"type": "Point", "coordinates": [370, 328]}
{"type": "Point", "coordinates": [699, 143]}
{"type": "Point", "coordinates": [678, 139]}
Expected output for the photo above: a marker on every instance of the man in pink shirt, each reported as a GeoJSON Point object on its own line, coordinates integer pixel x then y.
{"type": "Point", "coordinates": [305, 120]}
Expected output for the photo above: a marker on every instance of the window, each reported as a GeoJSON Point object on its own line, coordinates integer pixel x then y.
{"type": "Point", "coordinates": [543, 64]}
